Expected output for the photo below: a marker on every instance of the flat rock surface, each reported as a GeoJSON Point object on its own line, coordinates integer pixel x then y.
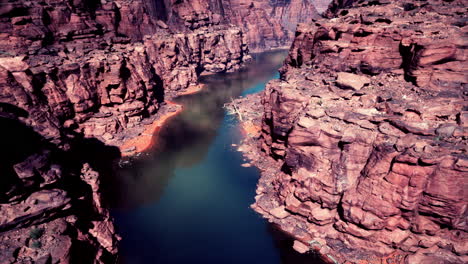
{"type": "Point", "coordinates": [353, 81]}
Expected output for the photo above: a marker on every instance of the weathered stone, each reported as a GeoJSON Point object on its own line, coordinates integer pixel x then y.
{"type": "Point", "coordinates": [279, 212]}
{"type": "Point", "coordinates": [84, 78]}
{"type": "Point", "coordinates": [34, 208]}
{"type": "Point", "coordinates": [73, 70]}
{"type": "Point", "coordinates": [372, 168]}
{"type": "Point", "coordinates": [300, 247]}
{"type": "Point", "coordinates": [353, 81]}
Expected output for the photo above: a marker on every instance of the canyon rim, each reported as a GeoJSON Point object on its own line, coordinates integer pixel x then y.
{"type": "Point", "coordinates": [361, 142]}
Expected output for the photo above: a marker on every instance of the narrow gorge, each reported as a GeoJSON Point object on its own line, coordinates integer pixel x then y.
{"type": "Point", "coordinates": [136, 131]}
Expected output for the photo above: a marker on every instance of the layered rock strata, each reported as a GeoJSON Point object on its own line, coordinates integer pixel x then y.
{"type": "Point", "coordinates": [95, 72]}
{"type": "Point", "coordinates": [50, 204]}
{"type": "Point", "coordinates": [267, 24]}
{"type": "Point", "coordinates": [75, 76]}
{"type": "Point", "coordinates": [365, 135]}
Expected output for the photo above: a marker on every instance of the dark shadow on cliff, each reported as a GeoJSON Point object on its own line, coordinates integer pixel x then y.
{"type": "Point", "coordinates": [100, 158]}
{"type": "Point", "coordinates": [18, 141]}
{"type": "Point", "coordinates": [284, 243]}
{"type": "Point", "coordinates": [157, 9]}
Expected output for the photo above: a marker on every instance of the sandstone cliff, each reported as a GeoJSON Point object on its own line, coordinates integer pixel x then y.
{"type": "Point", "coordinates": [98, 70]}
{"type": "Point", "coordinates": [104, 67]}
{"type": "Point", "coordinates": [50, 205]}
{"type": "Point", "coordinates": [366, 135]}
{"type": "Point", "coordinates": [75, 74]}
{"type": "Point", "coordinates": [267, 24]}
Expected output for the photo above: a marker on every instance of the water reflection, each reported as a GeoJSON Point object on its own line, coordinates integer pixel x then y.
{"type": "Point", "coordinates": [187, 200]}
{"type": "Point", "coordinates": [185, 140]}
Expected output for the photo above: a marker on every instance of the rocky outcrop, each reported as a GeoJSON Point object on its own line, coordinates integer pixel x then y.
{"type": "Point", "coordinates": [100, 69]}
{"type": "Point", "coordinates": [90, 70]}
{"type": "Point", "coordinates": [366, 135]}
{"type": "Point", "coordinates": [50, 203]}
{"type": "Point", "coordinates": [267, 24]}
{"type": "Point", "coordinates": [75, 76]}
{"type": "Point", "coordinates": [106, 91]}
{"type": "Point", "coordinates": [263, 27]}
{"type": "Point", "coordinates": [45, 228]}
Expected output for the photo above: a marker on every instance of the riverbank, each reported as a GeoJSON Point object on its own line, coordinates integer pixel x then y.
{"type": "Point", "coordinates": [140, 140]}
{"type": "Point", "coordinates": [353, 166]}
{"type": "Point", "coordinates": [191, 90]}
{"type": "Point", "coordinates": [250, 113]}
{"type": "Point", "coordinates": [146, 139]}
{"type": "Point", "coordinates": [154, 194]}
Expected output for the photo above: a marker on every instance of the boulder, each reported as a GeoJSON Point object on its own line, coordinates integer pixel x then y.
{"type": "Point", "coordinates": [351, 81]}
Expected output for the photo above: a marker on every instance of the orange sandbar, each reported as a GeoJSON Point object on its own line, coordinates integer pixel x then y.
{"type": "Point", "coordinates": [191, 90]}
{"type": "Point", "coordinates": [145, 140]}
{"type": "Point", "coordinates": [250, 129]}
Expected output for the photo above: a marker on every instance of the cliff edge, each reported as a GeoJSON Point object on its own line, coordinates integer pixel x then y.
{"type": "Point", "coordinates": [362, 141]}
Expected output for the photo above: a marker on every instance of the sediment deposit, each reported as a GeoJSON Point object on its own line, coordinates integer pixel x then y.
{"type": "Point", "coordinates": [76, 78]}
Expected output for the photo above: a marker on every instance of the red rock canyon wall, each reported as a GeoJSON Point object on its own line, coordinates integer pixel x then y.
{"type": "Point", "coordinates": [368, 125]}
{"type": "Point", "coordinates": [267, 24]}
{"type": "Point", "coordinates": [74, 75]}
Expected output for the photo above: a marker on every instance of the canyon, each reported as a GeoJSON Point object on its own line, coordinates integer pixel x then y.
{"type": "Point", "coordinates": [361, 142]}
{"type": "Point", "coordinates": [75, 77]}
{"type": "Point", "coordinates": [80, 78]}
{"type": "Point", "coordinates": [362, 139]}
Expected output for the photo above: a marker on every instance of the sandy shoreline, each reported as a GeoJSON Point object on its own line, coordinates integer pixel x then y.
{"type": "Point", "coordinates": [191, 90]}
{"type": "Point", "coordinates": [145, 140]}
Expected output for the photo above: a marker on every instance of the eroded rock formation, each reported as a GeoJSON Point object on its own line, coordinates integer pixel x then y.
{"type": "Point", "coordinates": [50, 204]}
{"type": "Point", "coordinates": [366, 135]}
{"type": "Point", "coordinates": [75, 74]}
{"type": "Point", "coordinates": [104, 67]}
{"type": "Point", "coordinates": [98, 70]}
{"type": "Point", "coordinates": [267, 24]}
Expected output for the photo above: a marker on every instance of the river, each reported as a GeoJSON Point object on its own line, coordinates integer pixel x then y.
{"type": "Point", "coordinates": [187, 199]}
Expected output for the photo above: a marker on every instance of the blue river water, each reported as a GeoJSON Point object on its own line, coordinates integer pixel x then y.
{"type": "Point", "coordinates": [187, 200]}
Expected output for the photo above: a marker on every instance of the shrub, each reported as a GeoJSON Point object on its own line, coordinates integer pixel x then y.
{"type": "Point", "coordinates": [36, 233]}
{"type": "Point", "coordinates": [36, 244]}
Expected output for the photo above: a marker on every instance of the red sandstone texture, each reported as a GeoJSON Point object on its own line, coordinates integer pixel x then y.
{"type": "Point", "coordinates": [103, 68]}
{"type": "Point", "coordinates": [76, 76]}
{"type": "Point", "coordinates": [95, 72]}
{"type": "Point", "coordinates": [52, 211]}
{"type": "Point", "coordinates": [364, 136]}
{"type": "Point", "coordinates": [267, 24]}
{"type": "Point", "coordinates": [72, 76]}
